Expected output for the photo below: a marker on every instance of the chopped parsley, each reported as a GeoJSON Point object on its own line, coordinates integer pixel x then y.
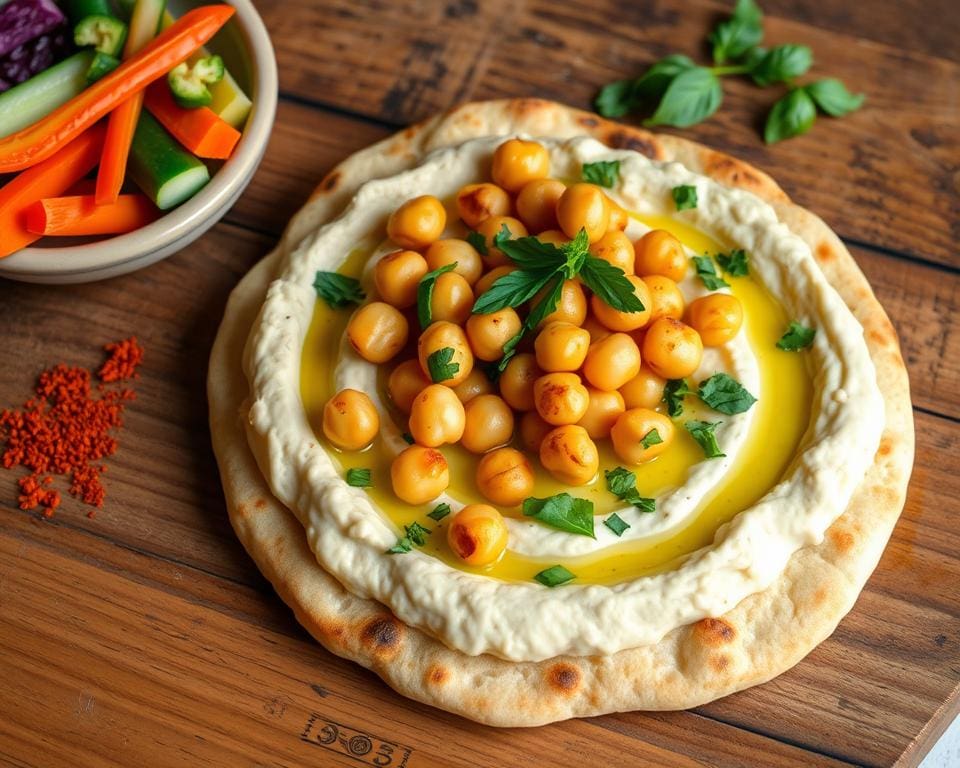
{"type": "Point", "coordinates": [735, 263]}
{"type": "Point", "coordinates": [441, 365]}
{"type": "Point", "coordinates": [725, 394]}
{"type": "Point", "coordinates": [604, 173]}
{"type": "Point", "coordinates": [797, 337]}
{"type": "Point", "coordinates": [616, 524]}
{"type": "Point", "coordinates": [704, 432]}
{"type": "Point", "coordinates": [564, 512]}
{"type": "Point", "coordinates": [478, 241]}
{"type": "Point", "coordinates": [338, 290]}
{"type": "Point", "coordinates": [707, 272]}
{"type": "Point", "coordinates": [622, 483]}
{"type": "Point", "coordinates": [685, 197]}
{"type": "Point", "coordinates": [554, 576]}
{"type": "Point", "coordinates": [359, 478]}
{"type": "Point", "coordinates": [439, 512]}
{"type": "Point", "coordinates": [651, 438]}
{"type": "Point", "coordinates": [425, 293]}
{"type": "Point", "coordinates": [414, 535]}
{"type": "Point", "coordinates": [673, 393]}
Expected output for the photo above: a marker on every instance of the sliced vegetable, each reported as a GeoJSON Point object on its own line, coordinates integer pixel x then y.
{"type": "Point", "coordinates": [102, 64]}
{"type": "Point", "coordinates": [78, 10]}
{"type": "Point", "coordinates": [42, 139]}
{"type": "Point", "coordinates": [199, 130]}
{"type": "Point", "coordinates": [106, 34]}
{"type": "Point", "coordinates": [24, 20]}
{"type": "Point", "coordinates": [166, 173]}
{"type": "Point", "coordinates": [41, 94]}
{"type": "Point", "coordinates": [80, 215]}
{"type": "Point", "coordinates": [188, 82]}
{"type": "Point", "coordinates": [51, 178]}
{"type": "Point", "coordinates": [33, 57]}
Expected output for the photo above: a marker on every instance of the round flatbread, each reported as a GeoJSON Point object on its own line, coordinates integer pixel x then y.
{"type": "Point", "coordinates": [761, 637]}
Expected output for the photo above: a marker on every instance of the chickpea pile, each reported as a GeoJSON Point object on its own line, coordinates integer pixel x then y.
{"type": "Point", "coordinates": [591, 373]}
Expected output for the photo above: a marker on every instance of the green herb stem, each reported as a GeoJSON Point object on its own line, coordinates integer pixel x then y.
{"type": "Point", "coordinates": [732, 69]}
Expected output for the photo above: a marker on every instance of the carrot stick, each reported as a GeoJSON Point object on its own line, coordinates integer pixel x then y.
{"type": "Point", "coordinates": [50, 178]}
{"type": "Point", "coordinates": [42, 139]}
{"type": "Point", "coordinates": [200, 130]}
{"type": "Point", "coordinates": [116, 149]}
{"type": "Point", "coordinates": [82, 215]}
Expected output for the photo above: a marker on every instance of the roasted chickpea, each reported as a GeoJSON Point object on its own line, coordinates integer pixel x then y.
{"type": "Point", "coordinates": [583, 206]}
{"type": "Point", "coordinates": [476, 384]}
{"type": "Point", "coordinates": [478, 202]}
{"type": "Point", "coordinates": [484, 283]}
{"type": "Point", "coordinates": [516, 381]}
{"type": "Point", "coordinates": [478, 535]}
{"type": "Point", "coordinates": [619, 218]}
{"type": "Point", "coordinates": [419, 474]}
{"type": "Point", "coordinates": [417, 222]}
{"type": "Point", "coordinates": [645, 390]}
{"type": "Point", "coordinates": [505, 477]}
{"type": "Point", "coordinates": [459, 252]}
{"type": "Point", "coordinates": [554, 237]}
{"type": "Point", "coordinates": [452, 298]}
{"type": "Point", "coordinates": [490, 228]}
{"type": "Point", "coordinates": [611, 362]}
{"type": "Point", "coordinates": [633, 427]}
{"type": "Point", "coordinates": [397, 276]}
{"type": "Point", "coordinates": [616, 248]}
{"type": "Point", "coordinates": [560, 398]}
{"type": "Point", "coordinates": [406, 381]}
{"type": "Point", "coordinates": [666, 297]}
{"type": "Point", "coordinates": [616, 320]}
{"type": "Point", "coordinates": [537, 204]}
{"type": "Point", "coordinates": [438, 337]}
{"type": "Point", "coordinates": [437, 417]}
{"type": "Point", "coordinates": [350, 420]}
{"type": "Point", "coordinates": [660, 253]}
{"type": "Point", "coordinates": [489, 424]}
{"type": "Point", "coordinates": [570, 455]}
{"type": "Point", "coordinates": [596, 329]}
{"type": "Point", "coordinates": [603, 411]}
{"type": "Point", "coordinates": [488, 333]}
{"type": "Point", "coordinates": [377, 331]}
{"type": "Point", "coordinates": [571, 308]}
{"type": "Point", "coordinates": [517, 162]}
{"type": "Point", "coordinates": [561, 347]}
{"type": "Point", "coordinates": [717, 317]}
{"type": "Point", "coordinates": [532, 431]}
{"type": "Point", "coordinates": [671, 349]}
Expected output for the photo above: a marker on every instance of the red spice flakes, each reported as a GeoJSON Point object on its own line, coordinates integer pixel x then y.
{"type": "Point", "coordinates": [64, 430]}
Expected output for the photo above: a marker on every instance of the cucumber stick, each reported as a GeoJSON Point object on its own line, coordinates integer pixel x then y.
{"type": "Point", "coordinates": [37, 97]}
{"type": "Point", "coordinates": [165, 172]}
{"type": "Point", "coordinates": [144, 24]}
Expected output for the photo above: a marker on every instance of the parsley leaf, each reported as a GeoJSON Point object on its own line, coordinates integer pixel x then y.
{"type": "Point", "coordinates": [622, 483]}
{"type": "Point", "coordinates": [797, 337]}
{"type": "Point", "coordinates": [734, 263]}
{"type": "Point", "coordinates": [425, 294]}
{"type": "Point", "coordinates": [673, 393]}
{"type": "Point", "coordinates": [611, 285]}
{"type": "Point", "coordinates": [732, 38]}
{"type": "Point", "coordinates": [704, 432]}
{"type": "Point", "coordinates": [554, 576]}
{"type": "Point", "coordinates": [651, 438]}
{"type": "Point", "coordinates": [616, 524]}
{"type": "Point", "coordinates": [604, 173]}
{"type": "Point", "coordinates": [512, 290]}
{"type": "Point", "coordinates": [478, 241]}
{"type": "Point", "coordinates": [414, 534]}
{"type": "Point", "coordinates": [564, 512]}
{"type": "Point", "coordinates": [725, 394]}
{"type": "Point", "coordinates": [832, 97]}
{"type": "Point", "coordinates": [441, 365]}
{"type": "Point", "coordinates": [439, 512]}
{"type": "Point", "coordinates": [708, 273]}
{"type": "Point", "coordinates": [403, 545]}
{"type": "Point", "coordinates": [359, 478]}
{"type": "Point", "coordinates": [338, 290]}
{"type": "Point", "coordinates": [684, 197]}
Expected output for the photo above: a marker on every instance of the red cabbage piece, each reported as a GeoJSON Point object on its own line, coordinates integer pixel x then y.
{"type": "Point", "coordinates": [23, 20]}
{"type": "Point", "coordinates": [31, 58]}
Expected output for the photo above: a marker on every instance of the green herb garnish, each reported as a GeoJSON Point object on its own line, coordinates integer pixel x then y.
{"type": "Point", "coordinates": [414, 535]}
{"type": "Point", "coordinates": [564, 512]}
{"type": "Point", "coordinates": [725, 394]}
{"type": "Point", "coordinates": [707, 272]}
{"type": "Point", "coordinates": [359, 478]}
{"type": "Point", "coordinates": [554, 576]}
{"type": "Point", "coordinates": [735, 263]}
{"type": "Point", "coordinates": [673, 393]}
{"type": "Point", "coordinates": [622, 483]}
{"type": "Point", "coordinates": [604, 173]}
{"type": "Point", "coordinates": [439, 512]}
{"type": "Point", "coordinates": [797, 337]}
{"type": "Point", "coordinates": [338, 290]}
{"type": "Point", "coordinates": [833, 97]}
{"type": "Point", "coordinates": [616, 524]}
{"type": "Point", "coordinates": [793, 115]}
{"type": "Point", "coordinates": [441, 366]}
{"type": "Point", "coordinates": [704, 433]}
{"type": "Point", "coordinates": [478, 241]}
{"type": "Point", "coordinates": [781, 64]}
{"type": "Point", "coordinates": [684, 197]}
{"type": "Point", "coordinates": [425, 294]}
{"type": "Point", "coordinates": [733, 37]}
{"type": "Point", "coordinates": [651, 438]}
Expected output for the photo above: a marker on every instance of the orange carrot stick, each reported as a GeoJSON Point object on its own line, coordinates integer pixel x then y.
{"type": "Point", "coordinates": [82, 215]}
{"type": "Point", "coordinates": [39, 141]}
{"type": "Point", "coordinates": [50, 178]}
{"type": "Point", "coordinates": [116, 149]}
{"type": "Point", "coordinates": [200, 130]}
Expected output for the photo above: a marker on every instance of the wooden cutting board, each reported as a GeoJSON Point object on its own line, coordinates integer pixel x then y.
{"type": "Point", "coordinates": [145, 635]}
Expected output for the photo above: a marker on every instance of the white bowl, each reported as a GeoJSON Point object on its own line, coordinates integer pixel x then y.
{"type": "Point", "coordinates": [248, 54]}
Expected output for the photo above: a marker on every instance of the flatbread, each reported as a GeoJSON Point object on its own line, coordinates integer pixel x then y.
{"type": "Point", "coordinates": [761, 637]}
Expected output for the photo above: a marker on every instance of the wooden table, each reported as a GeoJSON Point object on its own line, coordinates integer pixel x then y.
{"type": "Point", "coordinates": [145, 635]}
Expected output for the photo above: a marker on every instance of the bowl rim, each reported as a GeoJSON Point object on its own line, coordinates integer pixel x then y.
{"type": "Point", "coordinates": [194, 215]}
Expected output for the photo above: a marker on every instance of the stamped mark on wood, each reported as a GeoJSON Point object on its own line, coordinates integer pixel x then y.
{"type": "Point", "coordinates": [363, 747]}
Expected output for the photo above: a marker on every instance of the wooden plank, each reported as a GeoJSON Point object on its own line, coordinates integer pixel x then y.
{"type": "Point", "coordinates": [891, 166]}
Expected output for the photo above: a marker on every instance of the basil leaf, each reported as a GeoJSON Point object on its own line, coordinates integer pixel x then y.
{"type": "Point", "coordinates": [359, 478]}
{"type": "Point", "coordinates": [725, 394]}
{"type": "Point", "coordinates": [684, 197]}
{"type": "Point", "coordinates": [616, 524]}
{"type": "Point", "coordinates": [833, 97]}
{"type": "Point", "coordinates": [732, 38]}
{"type": "Point", "coordinates": [734, 263]}
{"type": "Point", "coordinates": [604, 173]}
{"type": "Point", "coordinates": [610, 284]}
{"type": "Point", "coordinates": [512, 290]}
{"type": "Point", "coordinates": [651, 438]}
{"type": "Point", "coordinates": [708, 273]}
{"type": "Point", "coordinates": [425, 294]}
{"type": "Point", "coordinates": [564, 512]}
{"type": "Point", "coordinates": [792, 116]}
{"type": "Point", "coordinates": [623, 96]}
{"type": "Point", "coordinates": [692, 96]}
{"type": "Point", "coordinates": [704, 433]}
{"type": "Point", "coordinates": [797, 337]}
{"type": "Point", "coordinates": [781, 64]}
{"type": "Point", "coordinates": [478, 241]}
{"type": "Point", "coordinates": [622, 483]}
{"type": "Point", "coordinates": [554, 576]}
{"type": "Point", "coordinates": [441, 365]}
{"type": "Point", "coordinates": [673, 393]}
{"type": "Point", "coordinates": [338, 290]}
{"type": "Point", "coordinates": [616, 99]}
{"type": "Point", "coordinates": [439, 512]}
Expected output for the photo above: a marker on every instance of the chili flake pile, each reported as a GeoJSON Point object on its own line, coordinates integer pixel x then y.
{"type": "Point", "coordinates": [67, 430]}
